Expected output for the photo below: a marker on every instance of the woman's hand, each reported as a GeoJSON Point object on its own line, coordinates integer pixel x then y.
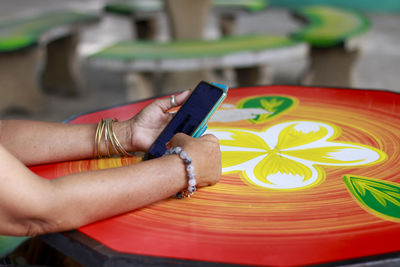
{"type": "Point", "coordinates": [206, 156]}
{"type": "Point", "coordinates": [147, 125]}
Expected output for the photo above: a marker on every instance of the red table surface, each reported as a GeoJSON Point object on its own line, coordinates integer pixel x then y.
{"type": "Point", "coordinates": [235, 222]}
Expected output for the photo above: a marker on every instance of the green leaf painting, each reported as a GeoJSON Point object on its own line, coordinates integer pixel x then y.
{"type": "Point", "coordinates": [379, 197]}
{"type": "Point", "coordinates": [275, 105]}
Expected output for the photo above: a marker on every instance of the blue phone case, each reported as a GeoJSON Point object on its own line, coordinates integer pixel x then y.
{"type": "Point", "coordinates": [203, 125]}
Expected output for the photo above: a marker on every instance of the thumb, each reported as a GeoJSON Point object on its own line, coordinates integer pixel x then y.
{"type": "Point", "coordinates": [166, 104]}
{"type": "Point", "coordinates": [181, 97]}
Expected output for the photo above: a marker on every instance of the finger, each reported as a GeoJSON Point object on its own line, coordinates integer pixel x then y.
{"type": "Point", "coordinates": [179, 139]}
{"type": "Point", "coordinates": [165, 103]}
{"type": "Point", "coordinates": [168, 116]}
{"type": "Point", "coordinates": [209, 138]}
{"type": "Point", "coordinates": [181, 97]}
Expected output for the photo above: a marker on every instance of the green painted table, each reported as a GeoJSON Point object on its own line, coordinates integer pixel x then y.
{"type": "Point", "coordinates": [334, 34]}
{"type": "Point", "coordinates": [330, 26]}
{"type": "Point", "coordinates": [25, 43]}
{"type": "Point", "coordinates": [138, 7]}
{"type": "Point", "coordinates": [239, 52]}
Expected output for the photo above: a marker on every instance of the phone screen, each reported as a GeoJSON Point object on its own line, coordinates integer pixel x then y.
{"type": "Point", "coordinates": [189, 116]}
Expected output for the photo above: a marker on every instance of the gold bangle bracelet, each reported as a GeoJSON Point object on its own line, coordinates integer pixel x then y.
{"type": "Point", "coordinates": [107, 137]}
{"type": "Point", "coordinates": [109, 133]}
{"type": "Point", "coordinates": [97, 138]}
{"type": "Point", "coordinates": [112, 144]}
{"type": "Point", "coordinates": [114, 141]}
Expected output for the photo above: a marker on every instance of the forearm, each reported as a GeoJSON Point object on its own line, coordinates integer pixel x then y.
{"type": "Point", "coordinates": [79, 199]}
{"type": "Point", "coordinates": [35, 142]}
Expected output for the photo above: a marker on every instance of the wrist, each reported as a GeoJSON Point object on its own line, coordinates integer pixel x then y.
{"type": "Point", "coordinates": [187, 160]}
{"type": "Point", "coordinates": [123, 131]}
{"type": "Point", "coordinates": [112, 138]}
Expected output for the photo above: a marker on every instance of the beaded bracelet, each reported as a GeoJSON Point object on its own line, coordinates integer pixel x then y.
{"type": "Point", "coordinates": [189, 169]}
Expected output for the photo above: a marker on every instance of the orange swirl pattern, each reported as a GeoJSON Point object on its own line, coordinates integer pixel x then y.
{"type": "Point", "coordinates": [237, 222]}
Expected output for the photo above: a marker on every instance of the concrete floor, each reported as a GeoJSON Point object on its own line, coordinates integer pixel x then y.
{"type": "Point", "coordinates": [378, 66]}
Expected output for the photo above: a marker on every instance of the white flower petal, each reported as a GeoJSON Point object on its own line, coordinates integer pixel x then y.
{"type": "Point", "coordinates": [284, 180]}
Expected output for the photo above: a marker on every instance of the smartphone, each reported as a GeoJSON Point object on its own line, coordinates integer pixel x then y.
{"type": "Point", "coordinates": [192, 117]}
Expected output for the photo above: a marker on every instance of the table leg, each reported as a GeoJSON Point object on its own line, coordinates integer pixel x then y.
{"type": "Point", "coordinates": [227, 24]}
{"type": "Point", "coordinates": [248, 76]}
{"type": "Point", "coordinates": [145, 28]}
{"type": "Point", "coordinates": [187, 19]}
{"type": "Point", "coordinates": [61, 73]}
{"type": "Point", "coordinates": [19, 82]}
{"type": "Point", "coordinates": [245, 76]}
{"type": "Point", "coordinates": [140, 85]}
{"type": "Point", "coordinates": [179, 81]}
{"type": "Point", "coordinates": [331, 67]}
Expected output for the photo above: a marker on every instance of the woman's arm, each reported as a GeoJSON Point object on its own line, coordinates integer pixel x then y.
{"type": "Point", "coordinates": [34, 142]}
{"type": "Point", "coordinates": [31, 205]}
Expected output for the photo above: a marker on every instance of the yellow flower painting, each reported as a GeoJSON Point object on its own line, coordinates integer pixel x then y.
{"type": "Point", "coordinates": [290, 155]}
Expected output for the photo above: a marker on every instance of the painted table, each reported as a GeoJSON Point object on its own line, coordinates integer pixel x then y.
{"type": "Point", "coordinates": [312, 179]}
{"type": "Point", "coordinates": [41, 46]}
{"type": "Point", "coordinates": [335, 35]}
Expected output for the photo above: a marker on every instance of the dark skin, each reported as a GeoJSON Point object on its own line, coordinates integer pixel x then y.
{"type": "Point", "coordinates": [31, 205]}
